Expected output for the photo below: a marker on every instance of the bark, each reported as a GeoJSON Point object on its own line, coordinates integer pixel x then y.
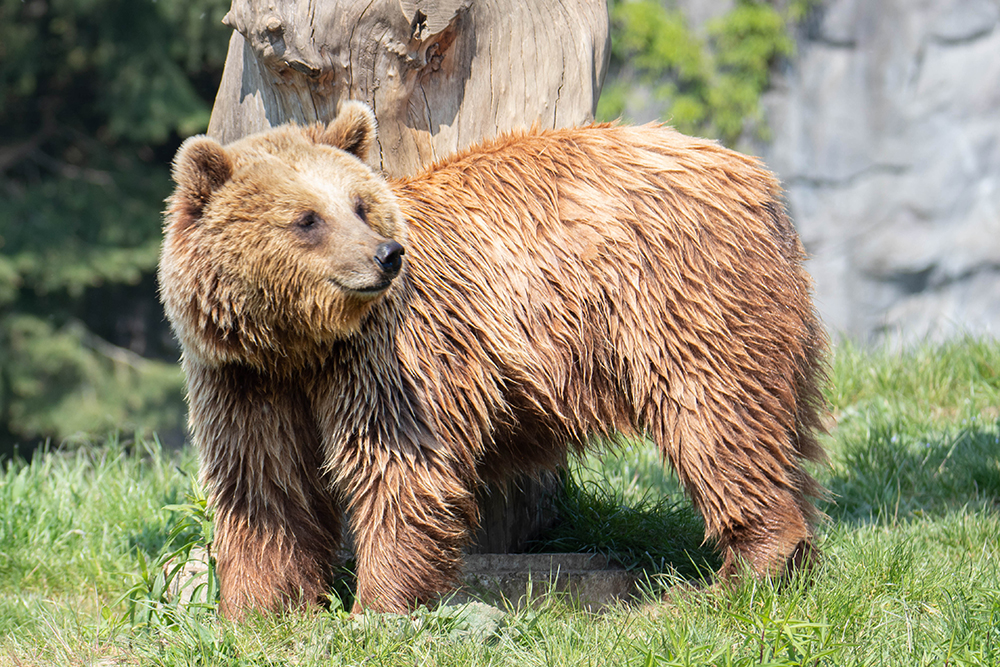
{"type": "Point", "coordinates": [440, 75]}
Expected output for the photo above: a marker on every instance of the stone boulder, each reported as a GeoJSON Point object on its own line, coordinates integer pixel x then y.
{"type": "Point", "coordinates": [886, 133]}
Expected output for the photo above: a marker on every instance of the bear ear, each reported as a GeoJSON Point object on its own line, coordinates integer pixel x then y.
{"type": "Point", "coordinates": [200, 168]}
{"type": "Point", "coordinates": [353, 130]}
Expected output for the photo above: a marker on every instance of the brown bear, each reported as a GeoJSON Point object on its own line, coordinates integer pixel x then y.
{"type": "Point", "coordinates": [386, 347]}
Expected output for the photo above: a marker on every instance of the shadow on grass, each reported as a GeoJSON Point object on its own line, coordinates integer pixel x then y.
{"type": "Point", "coordinates": [654, 535]}
{"type": "Point", "coordinates": [897, 470]}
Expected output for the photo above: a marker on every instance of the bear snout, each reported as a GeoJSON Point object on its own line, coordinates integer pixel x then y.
{"type": "Point", "coordinates": [389, 257]}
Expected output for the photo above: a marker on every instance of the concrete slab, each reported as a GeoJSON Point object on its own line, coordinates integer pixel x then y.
{"type": "Point", "coordinates": [591, 580]}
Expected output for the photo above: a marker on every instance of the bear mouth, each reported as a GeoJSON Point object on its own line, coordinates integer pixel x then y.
{"type": "Point", "coordinates": [367, 291]}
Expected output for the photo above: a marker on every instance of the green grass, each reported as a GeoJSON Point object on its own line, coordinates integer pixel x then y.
{"type": "Point", "coordinates": [910, 574]}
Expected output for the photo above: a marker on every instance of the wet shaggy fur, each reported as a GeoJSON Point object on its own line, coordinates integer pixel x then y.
{"type": "Point", "coordinates": [556, 286]}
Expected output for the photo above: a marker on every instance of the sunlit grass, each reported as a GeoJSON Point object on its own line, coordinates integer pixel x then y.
{"type": "Point", "coordinates": [910, 573]}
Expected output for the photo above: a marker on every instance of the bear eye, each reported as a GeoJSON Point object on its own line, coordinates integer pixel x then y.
{"type": "Point", "coordinates": [361, 209]}
{"type": "Point", "coordinates": [309, 227]}
{"type": "Point", "coordinates": [307, 220]}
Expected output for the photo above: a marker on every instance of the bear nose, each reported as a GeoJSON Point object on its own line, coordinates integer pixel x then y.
{"type": "Point", "coordinates": [389, 257]}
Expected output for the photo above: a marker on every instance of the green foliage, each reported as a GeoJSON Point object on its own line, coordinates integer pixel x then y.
{"type": "Point", "coordinates": [123, 66]}
{"type": "Point", "coordinates": [707, 86]}
{"type": "Point", "coordinates": [178, 589]}
{"type": "Point", "coordinates": [654, 46]}
{"type": "Point", "coordinates": [95, 96]}
{"type": "Point", "coordinates": [68, 382]}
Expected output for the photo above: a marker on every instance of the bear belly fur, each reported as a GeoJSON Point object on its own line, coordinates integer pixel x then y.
{"type": "Point", "coordinates": [556, 286]}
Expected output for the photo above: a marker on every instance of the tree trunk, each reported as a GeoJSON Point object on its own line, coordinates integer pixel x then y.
{"type": "Point", "coordinates": [440, 75]}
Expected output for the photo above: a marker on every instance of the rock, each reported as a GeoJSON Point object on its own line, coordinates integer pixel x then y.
{"type": "Point", "coordinates": [700, 12]}
{"type": "Point", "coordinates": [886, 135]}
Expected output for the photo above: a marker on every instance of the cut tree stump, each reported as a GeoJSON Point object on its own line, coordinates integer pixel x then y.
{"type": "Point", "coordinates": [440, 75]}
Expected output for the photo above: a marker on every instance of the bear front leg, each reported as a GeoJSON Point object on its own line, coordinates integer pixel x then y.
{"type": "Point", "coordinates": [273, 550]}
{"type": "Point", "coordinates": [410, 514]}
{"type": "Point", "coordinates": [277, 524]}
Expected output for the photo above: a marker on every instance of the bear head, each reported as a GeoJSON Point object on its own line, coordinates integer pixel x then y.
{"type": "Point", "coordinates": [279, 243]}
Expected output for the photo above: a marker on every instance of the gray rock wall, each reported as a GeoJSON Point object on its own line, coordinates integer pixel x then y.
{"type": "Point", "coordinates": [886, 133]}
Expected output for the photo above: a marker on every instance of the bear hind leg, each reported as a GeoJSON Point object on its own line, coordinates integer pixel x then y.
{"type": "Point", "coordinates": [410, 515]}
{"type": "Point", "coordinates": [749, 488]}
